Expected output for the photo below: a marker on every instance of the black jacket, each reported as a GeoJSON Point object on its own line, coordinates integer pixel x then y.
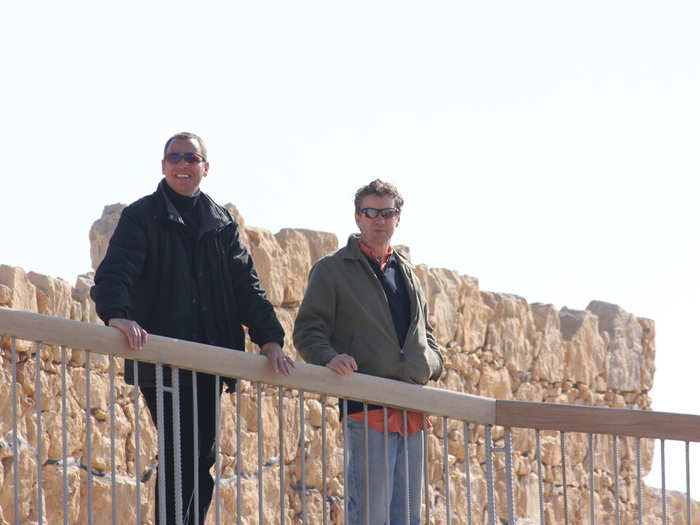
{"type": "Point", "coordinates": [148, 276]}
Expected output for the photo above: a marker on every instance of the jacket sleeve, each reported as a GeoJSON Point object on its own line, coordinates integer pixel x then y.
{"type": "Point", "coordinates": [121, 267]}
{"type": "Point", "coordinates": [315, 322]}
{"type": "Point", "coordinates": [256, 312]}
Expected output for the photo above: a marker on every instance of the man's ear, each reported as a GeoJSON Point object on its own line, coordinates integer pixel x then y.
{"type": "Point", "coordinates": [206, 169]}
{"type": "Point", "coordinates": [162, 166]}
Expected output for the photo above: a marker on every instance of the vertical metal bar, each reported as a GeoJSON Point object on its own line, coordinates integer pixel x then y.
{"type": "Point", "coordinates": [302, 444]}
{"type": "Point", "coordinates": [39, 449]}
{"type": "Point", "coordinates": [280, 425]}
{"type": "Point", "coordinates": [489, 476]}
{"type": "Point", "coordinates": [177, 463]}
{"type": "Point", "coordinates": [111, 439]}
{"type": "Point", "coordinates": [448, 510]}
{"type": "Point", "coordinates": [217, 403]}
{"type": "Point", "coordinates": [467, 471]}
{"type": "Point", "coordinates": [161, 444]}
{"type": "Point", "coordinates": [238, 452]}
{"type": "Point", "coordinates": [405, 467]}
{"type": "Point", "coordinates": [387, 492]}
{"type": "Point", "coordinates": [426, 469]}
{"type": "Point", "coordinates": [592, 478]}
{"type": "Point", "coordinates": [88, 431]}
{"type": "Point", "coordinates": [366, 451]}
{"type": "Point", "coordinates": [562, 439]}
{"type": "Point", "coordinates": [509, 475]}
{"type": "Point", "coordinates": [324, 465]}
{"type": "Point", "coordinates": [617, 482]}
{"type": "Point", "coordinates": [687, 483]}
{"type": "Point", "coordinates": [64, 432]}
{"type": "Point", "coordinates": [345, 461]}
{"type": "Point", "coordinates": [15, 440]}
{"type": "Point", "coordinates": [137, 441]}
{"type": "Point", "coordinates": [260, 453]}
{"type": "Point", "coordinates": [663, 480]}
{"type": "Point", "coordinates": [639, 481]}
{"type": "Point", "coordinates": [195, 444]}
{"type": "Point", "coordinates": [539, 475]}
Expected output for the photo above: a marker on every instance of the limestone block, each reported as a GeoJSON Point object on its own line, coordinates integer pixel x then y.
{"type": "Point", "coordinates": [54, 296]}
{"type": "Point", "coordinates": [320, 243]}
{"type": "Point", "coordinates": [512, 334]}
{"type": "Point", "coordinates": [297, 263]}
{"type": "Point", "coordinates": [269, 263]}
{"type": "Point", "coordinates": [442, 289]}
{"type": "Point", "coordinates": [495, 383]}
{"type": "Point", "coordinates": [584, 348]}
{"type": "Point", "coordinates": [241, 223]}
{"type": "Point", "coordinates": [22, 291]}
{"type": "Point", "coordinates": [101, 232]}
{"type": "Point", "coordinates": [624, 358]}
{"type": "Point", "coordinates": [5, 295]}
{"type": "Point", "coordinates": [549, 361]}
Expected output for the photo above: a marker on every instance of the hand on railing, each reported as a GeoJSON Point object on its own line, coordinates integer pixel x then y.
{"type": "Point", "coordinates": [280, 362]}
{"type": "Point", "coordinates": [135, 335]}
{"type": "Point", "coordinates": [342, 364]}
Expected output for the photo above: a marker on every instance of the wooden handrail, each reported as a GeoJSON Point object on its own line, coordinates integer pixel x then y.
{"type": "Point", "coordinates": [319, 379]}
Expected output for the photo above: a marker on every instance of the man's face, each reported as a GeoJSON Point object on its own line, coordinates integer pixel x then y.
{"type": "Point", "coordinates": [377, 232]}
{"type": "Point", "coordinates": [184, 177]}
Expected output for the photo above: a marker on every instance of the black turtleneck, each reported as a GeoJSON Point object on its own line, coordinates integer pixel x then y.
{"type": "Point", "coordinates": [187, 206]}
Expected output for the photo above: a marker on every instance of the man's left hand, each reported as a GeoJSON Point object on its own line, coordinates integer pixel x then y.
{"type": "Point", "coordinates": [280, 362]}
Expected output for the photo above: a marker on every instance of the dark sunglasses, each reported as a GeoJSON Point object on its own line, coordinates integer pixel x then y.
{"type": "Point", "coordinates": [190, 158]}
{"type": "Point", "coordinates": [386, 213]}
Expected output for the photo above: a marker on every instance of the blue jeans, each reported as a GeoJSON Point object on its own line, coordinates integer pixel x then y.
{"type": "Point", "coordinates": [377, 485]}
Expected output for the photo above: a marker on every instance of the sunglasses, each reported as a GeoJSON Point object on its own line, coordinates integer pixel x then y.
{"type": "Point", "coordinates": [386, 213]}
{"type": "Point", "coordinates": [189, 158]}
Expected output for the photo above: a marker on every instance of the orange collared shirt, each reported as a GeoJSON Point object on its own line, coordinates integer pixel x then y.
{"type": "Point", "coordinates": [381, 260]}
{"type": "Point", "coordinates": [394, 420]}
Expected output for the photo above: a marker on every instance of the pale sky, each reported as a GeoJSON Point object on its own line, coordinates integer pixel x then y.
{"type": "Point", "coordinates": [548, 148]}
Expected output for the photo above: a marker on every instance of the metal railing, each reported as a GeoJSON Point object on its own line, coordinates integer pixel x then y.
{"type": "Point", "coordinates": [103, 469]}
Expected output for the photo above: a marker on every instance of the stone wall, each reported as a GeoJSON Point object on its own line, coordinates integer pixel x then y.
{"type": "Point", "coordinates": [496, 345]}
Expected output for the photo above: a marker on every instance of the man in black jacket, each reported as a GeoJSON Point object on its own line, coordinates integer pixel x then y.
{"type": "Point", "coordinates": [176, 267]}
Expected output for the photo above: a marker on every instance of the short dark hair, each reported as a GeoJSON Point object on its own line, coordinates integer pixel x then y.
{"type": "Point", "coordinates": [186, 135]}
{"type": "Point", "coordinates": [381, 188]}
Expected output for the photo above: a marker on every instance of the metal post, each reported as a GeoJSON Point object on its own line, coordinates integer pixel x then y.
{"type": "Point", "coordinates": [366, 451]}
{"type": "Point", "coordinates": [324, 465]}
{"type": "Point", "coordinates": [88, 431]}
{"type": "Point", "coordinates": [687, 483]}
{"type": "Point", "coordinates": [617, 483]}
{"type": "Point", "coordinates": [509, 475]}
{"type": "Point", "coordinates": [280, 425]}
{"type": "Point", "coordinates": [639, 481]}
{"type": "Point", "coordinates": [260, 454]}
{"type": "Point", "coordinates": [489, 476]}
{"type": "Point", "coordinates": [345, 461]}
{"type": "Point", "coordinates": [562, 438]}
{"type": "Point", "coordinates": [238, 453]}
{"type": "Point", "coordinates": [592, 478]}
{"type": "Point", "coordinates": [160, 402]}
{"type": "Point", "coordinates": [15, 439]}
{"type": "Point", "coordinates": [39, 449]}
{"type": "Point", "coordinates": [405, 467]}
{"type": "Point", "coordinates": [64, 432]}
{"type": "Point", "coordinates": [663, 480]}
{"type": "Point", "coordinates": [177, 463]}
{"type": "Point", "coordinates": [387, 492]}
{"type": "Point", "coordinates": [195, 444]}
{"type": "Point", "coordinates": [302, 445]}
{"type": "Point", "coordinates": [448, 510]}
{"type": "Point", "coordinates": [112, 439]}
{"type": "Point", "coordinates": [426, 469]}
{"type": "Point", "coordinates": [467, 471]}
{"type": "Point", "coordinates": [539, 475]}
{"type": "Point", "coordinates": [217, 448]}
{"type": "Point", "coordinates": [137, 442]}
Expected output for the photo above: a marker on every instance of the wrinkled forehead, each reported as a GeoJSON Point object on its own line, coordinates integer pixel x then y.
{"type": "Point", "coordinates": [374, 200]}
{"type": "Point", "coordinates": [184, 146]}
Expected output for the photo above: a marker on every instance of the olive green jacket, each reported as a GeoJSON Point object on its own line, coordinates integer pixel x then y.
{"type": "Point", "coordinates": [345, 310]}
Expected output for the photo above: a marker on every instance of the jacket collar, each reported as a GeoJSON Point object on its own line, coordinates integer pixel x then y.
{"type": "Point", "coordinates": [211, 215]}
{"type": "Point", "coordinates": [353, 251]}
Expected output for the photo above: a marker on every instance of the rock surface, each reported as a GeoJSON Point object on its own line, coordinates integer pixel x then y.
{"type": "Point", "coordinates": [496, 345]}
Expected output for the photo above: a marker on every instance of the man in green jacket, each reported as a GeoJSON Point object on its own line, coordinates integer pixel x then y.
{"type": "Point", "coordinates": [364, 310]}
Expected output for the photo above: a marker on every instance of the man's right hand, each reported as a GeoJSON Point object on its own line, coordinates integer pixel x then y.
{"type": "Point", "coordinates": [342, 364]}
{"type": "Point", "coordinates": [135, 335]}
